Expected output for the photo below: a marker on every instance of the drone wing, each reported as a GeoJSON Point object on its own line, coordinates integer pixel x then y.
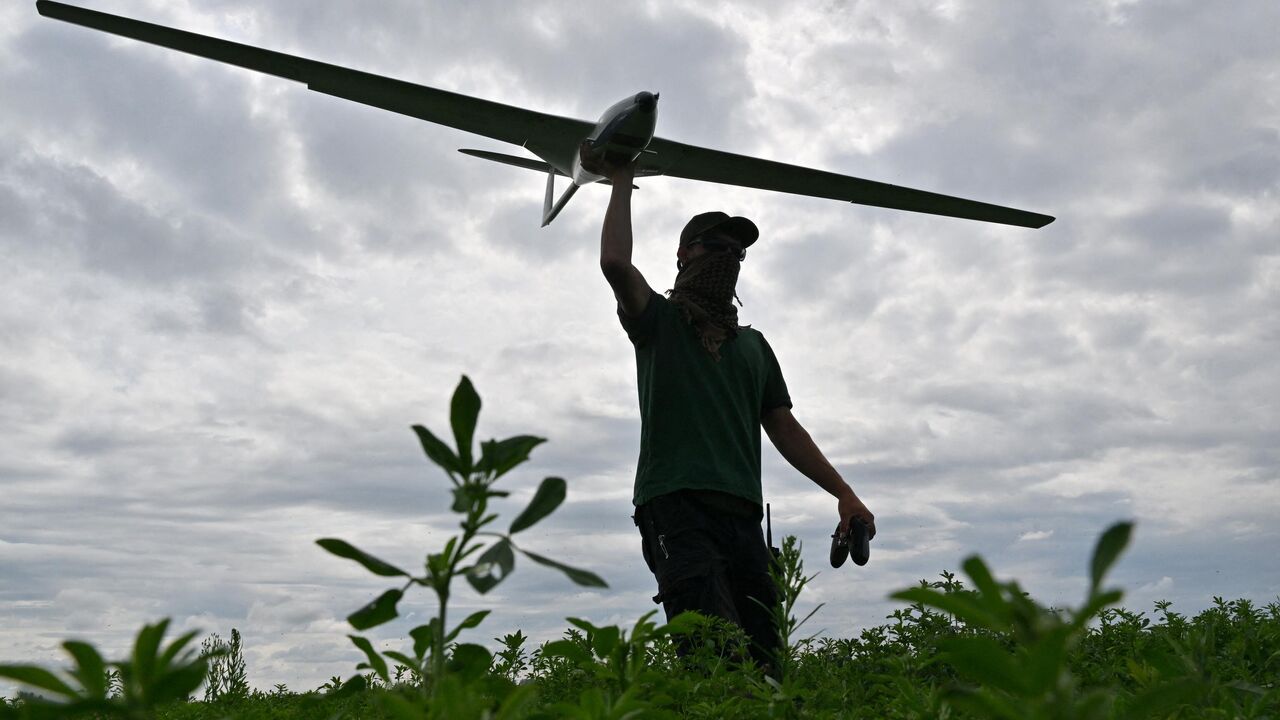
{"type": "Point", "coordinates": [555, 139]}
{"type": "Point", "coordinates": [665, 157]}
{"type": "Point", "coordinates": [551, 137]}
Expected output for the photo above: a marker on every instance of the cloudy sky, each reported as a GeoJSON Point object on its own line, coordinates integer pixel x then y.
{"type": "Point", "coordinates": [224, 300]}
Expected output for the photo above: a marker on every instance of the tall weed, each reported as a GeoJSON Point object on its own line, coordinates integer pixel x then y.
{"type": "Point", "coordinates": [457, 674]}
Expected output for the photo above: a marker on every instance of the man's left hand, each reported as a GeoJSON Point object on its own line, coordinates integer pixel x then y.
{"type": "Point", "coordinates": [851, 507]}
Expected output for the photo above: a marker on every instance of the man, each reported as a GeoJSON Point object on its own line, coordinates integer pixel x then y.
{"type": "Point", "coordinates": [707, 385]}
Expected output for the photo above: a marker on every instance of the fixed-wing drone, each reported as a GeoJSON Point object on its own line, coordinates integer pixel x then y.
{"type": "Point", "coordinates": [623, 133]}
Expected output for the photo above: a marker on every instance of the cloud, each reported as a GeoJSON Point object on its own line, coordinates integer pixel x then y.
{"type": "Point", "coordinates": [224, 300]}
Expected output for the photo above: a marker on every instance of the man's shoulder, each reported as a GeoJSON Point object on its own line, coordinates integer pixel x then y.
{"type": "Point", "coordinates": [640, 327]}
{"type": "Point", "coordinates": [654, 297]}
{"type": "Point", "coordinates": [755, 346]}
{"type": "Point", "coordinates": [752, 336]}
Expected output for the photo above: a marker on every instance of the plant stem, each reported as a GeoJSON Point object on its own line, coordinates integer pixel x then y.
{"type": "Point", "coordinates": [470, 527]}
{"type": "Point", "coordinates": [437, 655]}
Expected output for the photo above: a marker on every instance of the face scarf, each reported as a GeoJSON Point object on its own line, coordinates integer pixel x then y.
{"type": "Point", "coordinates": [704, 292]}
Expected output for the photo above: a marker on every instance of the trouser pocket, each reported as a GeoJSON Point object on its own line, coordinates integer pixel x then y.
{"type": "Point", "coordinates": [645, 532]}
{"type": "Point", "coordinates": [678, 541]}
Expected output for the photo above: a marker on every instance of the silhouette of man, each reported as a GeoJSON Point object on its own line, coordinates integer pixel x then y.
{"type": "Point", "coordinates": [706, 387]}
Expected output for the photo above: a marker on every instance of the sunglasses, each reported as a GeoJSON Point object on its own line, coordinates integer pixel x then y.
{"type": "Point", "coordinates": [719, 243]}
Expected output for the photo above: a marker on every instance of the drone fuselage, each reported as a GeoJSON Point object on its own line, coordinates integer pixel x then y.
{"type": "Point", "coordinates": [623, 132]}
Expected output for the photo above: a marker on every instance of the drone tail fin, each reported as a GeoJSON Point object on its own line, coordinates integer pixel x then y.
{"type": "Point", "coordinates": [549, 211]}
{"type": "Point", "coordinates": [527, 163]}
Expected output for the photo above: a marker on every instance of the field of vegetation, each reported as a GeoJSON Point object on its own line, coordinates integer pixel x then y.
{"type": "Point", "coordinates": [977, 647]}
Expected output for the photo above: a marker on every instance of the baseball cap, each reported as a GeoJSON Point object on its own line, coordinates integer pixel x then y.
{"type": "Point", "coordinates": [739, 228]}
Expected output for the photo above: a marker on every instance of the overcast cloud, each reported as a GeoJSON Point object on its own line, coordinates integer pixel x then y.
{"type": "Point", "coordinates": [224, 300]}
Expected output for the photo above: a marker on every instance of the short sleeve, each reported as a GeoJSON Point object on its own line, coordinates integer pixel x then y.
{"type": "Point", "coordinates": [775, 387]}
{"type": "Point", "coordinates": [641, 328]}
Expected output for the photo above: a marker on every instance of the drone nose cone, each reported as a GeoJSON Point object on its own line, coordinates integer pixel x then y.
{"type": "Point", "coordinates": [647, 101]}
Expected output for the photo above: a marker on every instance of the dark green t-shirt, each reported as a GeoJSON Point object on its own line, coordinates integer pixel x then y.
{"type": "Point", "coordinates": [700, 419]}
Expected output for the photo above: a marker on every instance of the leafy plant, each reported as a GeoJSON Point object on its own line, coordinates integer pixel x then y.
{"type": "Point", "coordinates": [1017, 653]}
{"type": "Point", "coordinates": [616, 665]}
{"type": "Point", "coordinates": [149, 679]}
{"type": "Point", "coordinates": [473, 478]}
{"type": "Point", "coordinates": [511, 661]}
{"type": "Point", "coordinates": [789, 578]}
{"type": "Point", "coordinates": [779, 687]}
{"type": "Point", "coordinates": [227, 678]}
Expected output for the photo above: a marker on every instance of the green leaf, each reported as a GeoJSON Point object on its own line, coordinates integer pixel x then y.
{"type": "Point", "coordinates": [499, 557]}
{"type": "Point", "coordinates": [472, 620]}
{"type": "Point", "coordinates": [1045, 662]}
{"type": "Point", "coordinates": [91, 669]}
{"type": "Point", "coordinates": [963, 605]}
{"type": "Point", "coordinates": [570, 651]}
{"type": "Point", "coordinates": [502, 455]}
{"type": "Point", "coordinates": [403, 659]}
{"type": "Point", "coordinates": [352, 686]}
{"type": "Point", "coordinates": [469, 550]}
{"type": "Point", "coordinates": [400, 708]}
{"type": "Point", "coordinates": [422, 637]}
{"type": "Point", "coordinates": [464, 495]}
{"type": "Point", "coordinates": [453, 698]}
{"type": "Point", "coordinates": [581, 577]}
{"type": "Point", "coordinates": [1096, 604]}
{"type": "Point", "coordinates": [1168, 660]}
{"type": "Point", "coordinates": [437, 451]}
{"type": "Point", "coordinates": [548, 497]}
{"type": "Point", "coordinates": [381, 610]}
{"type": "Point", "coordinates": [989, 595]}
{"type": "Point", "coordinates": [144, 651]}
{"type": "Point", "coordinates": [1110, 545]}
{"type": "Point", "coordinates": [482, 583]}
{"type": "Point", "coordinates": [179, 683]}
{"type": "Point", "coordinates": [171, 652]}
{"type": "Point", "coordinates": [517, 703]}
{"type": "Point", "coordinates": [1160, 700]}
{"type": "Point", "coordinates": [986, 704]}
{"type": "Point", "coordinates": [470, 661]}
{"type": "Point", "coordinates": [343, 549]}
{"type": "Point", "coordinates": [1096, 703]}
{"type": "Point", "coordinates": [376, 663]}
{"type": "Point", "coordinates": [583, 625]}
{"type": "Point", "coordinates": [37, 677]}
{"type": "Point", "coordinates": [605, 640]}
{"type": "Point", "coordinates": [682, 624]}
{"type": "Point", "coordinates": [439, 564]}
{"type": "Point", "coordinates": [644, 622]}
{"type": "Point", "coordinates": [464, 410]}
{"type": "Point", "coordinates": [982, 659]}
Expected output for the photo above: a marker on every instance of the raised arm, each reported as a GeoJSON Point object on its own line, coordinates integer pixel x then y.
{"type": "Point", "coordinates": [795, 444]}
{"type": "Point", "coordinates": [629, 286]}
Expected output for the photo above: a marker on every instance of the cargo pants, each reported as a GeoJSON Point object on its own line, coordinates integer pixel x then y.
{"type": "Point", "coordinates": [708, 553]}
